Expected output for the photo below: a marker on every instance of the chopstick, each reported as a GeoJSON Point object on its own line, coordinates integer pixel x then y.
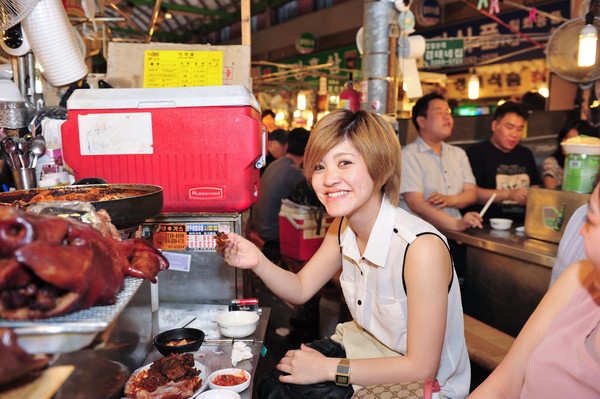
{"type": "Point", "coordinates": [209, 341]}
{"type": "Point", "coordinates": [487, 205]}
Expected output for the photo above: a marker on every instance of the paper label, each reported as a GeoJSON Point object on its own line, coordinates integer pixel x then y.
{"type": "Point", "coordinates": [115, 133]}
{"type": "Point", "coordinates": [182, 68]}
{"type": "Point", "coordinates": [179, 262]}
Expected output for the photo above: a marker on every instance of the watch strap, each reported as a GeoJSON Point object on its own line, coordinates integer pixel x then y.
{"type": "Point", "coordinates": [342, 375]}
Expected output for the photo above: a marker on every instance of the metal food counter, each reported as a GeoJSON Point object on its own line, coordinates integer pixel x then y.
{"type": "Point", "coordinates": [216, 351]}
{"type": "Point", "coordinates": [506, 274]}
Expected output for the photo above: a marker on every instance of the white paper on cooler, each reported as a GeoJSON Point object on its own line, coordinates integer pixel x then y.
{"type": "Point", "coordinates": [240, 352]}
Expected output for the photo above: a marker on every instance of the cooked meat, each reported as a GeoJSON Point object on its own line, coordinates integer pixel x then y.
{"type": "Point", "coordinates": [51, 266]}
{"type": "Point", "coordinates": [173, 376]}
{"type": "Point", "coordinates": [222, 240]}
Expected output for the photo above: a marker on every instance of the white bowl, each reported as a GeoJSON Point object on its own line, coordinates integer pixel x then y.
{"type": "Point", "coordinates": [235, 372]}
{"type": "Point", "coordinates": [500, 224]}
{"type": "Point", "coordinates": [219, 394]}
{"type": "Point", "coordinates": [237, 323]}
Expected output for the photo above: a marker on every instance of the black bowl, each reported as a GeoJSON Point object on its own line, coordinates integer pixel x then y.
{"type": "Point", "coordinates": [191, 334]}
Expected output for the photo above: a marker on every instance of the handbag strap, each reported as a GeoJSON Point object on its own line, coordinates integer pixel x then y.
{"type": "Point", "coordinates": [430, 387]}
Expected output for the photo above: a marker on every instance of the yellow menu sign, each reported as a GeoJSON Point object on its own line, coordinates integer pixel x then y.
{"type": "Point", "coordinates": [182, 68]}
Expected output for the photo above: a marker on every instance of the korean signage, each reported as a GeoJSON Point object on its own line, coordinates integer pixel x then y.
{"type": "Point", "coordinates": [503, 44]}
{"type": "Point", "coordinates": [305, 44]}
{"type": "Point", "coordinates": [444, 52]}
{"type": "Point", "coordinates": [340, 60]}
{"type": "Point", "coordinates": [428, 12]}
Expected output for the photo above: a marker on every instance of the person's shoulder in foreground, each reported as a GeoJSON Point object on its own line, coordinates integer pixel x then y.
{"type": "Point", "coordinates": [557, 353]}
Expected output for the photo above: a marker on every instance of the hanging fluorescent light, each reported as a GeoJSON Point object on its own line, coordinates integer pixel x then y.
{"type": "Point", "coordinates": [301, 100]}
{"type": "Point", "coordinates": [588, 41]}
{"type": "Point", "coordinates": [544, 90]}
{"type": "Point", "coordinates": [473, 87]}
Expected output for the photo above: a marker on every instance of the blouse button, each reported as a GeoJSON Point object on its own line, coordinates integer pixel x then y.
{"type": "Point", "coordinates": [361, 273]}
{"type": "Point", "coordinates": [359, 302]}
{"type": "Point", "coordinates": [395, 230]}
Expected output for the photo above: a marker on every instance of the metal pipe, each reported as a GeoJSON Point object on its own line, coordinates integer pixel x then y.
{"type": "Point", "coordinates": [22, 64]}
{"type": "Point", "coordinates": [376, 53]}
{"type": "Point", "coordinates": [392, 95]}
{"type": "Point", "coordinates": [31, 74]}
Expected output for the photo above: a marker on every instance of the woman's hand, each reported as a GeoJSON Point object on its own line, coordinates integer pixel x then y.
{"type": "Point", "coordinates": [305, 366]}
{"type": "Point", "coordinates": [240, 252]}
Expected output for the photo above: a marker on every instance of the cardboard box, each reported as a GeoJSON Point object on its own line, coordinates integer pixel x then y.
{"type": "Point", "coordinates": [125, 65]}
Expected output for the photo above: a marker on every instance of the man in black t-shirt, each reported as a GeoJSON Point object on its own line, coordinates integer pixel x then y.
{"type": "Point", "coordinates": [504, 167]}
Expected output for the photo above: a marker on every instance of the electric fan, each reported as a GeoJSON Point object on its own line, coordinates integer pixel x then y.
{"type": "Point", "coordinates": [562, 52]}
{"type": "Point", "coordinates": [13, 11]}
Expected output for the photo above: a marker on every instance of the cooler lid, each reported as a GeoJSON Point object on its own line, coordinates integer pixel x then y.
{"type": "Point", "coordinates": [164, 97]}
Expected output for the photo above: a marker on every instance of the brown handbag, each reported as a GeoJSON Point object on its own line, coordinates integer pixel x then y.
{"type": "Point", "coordinates": [405, 390]}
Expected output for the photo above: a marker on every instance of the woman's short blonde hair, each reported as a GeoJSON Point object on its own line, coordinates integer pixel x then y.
{"type": "Point", "coordinates": [373, 138]}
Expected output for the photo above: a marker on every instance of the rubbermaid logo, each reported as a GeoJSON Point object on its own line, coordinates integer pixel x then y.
{"type": "Point", "coordinates": [206, 193]}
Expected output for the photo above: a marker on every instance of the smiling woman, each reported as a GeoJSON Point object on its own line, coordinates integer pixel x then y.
{"type": "Point", "coordinates": [386, 256]}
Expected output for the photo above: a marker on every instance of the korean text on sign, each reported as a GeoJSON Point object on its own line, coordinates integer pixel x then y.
{"type": "Point", "coordinates": [444, 52]}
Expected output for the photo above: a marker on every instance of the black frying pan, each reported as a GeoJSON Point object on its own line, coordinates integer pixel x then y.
{"type": "Point", "coordinates": [140, 202]}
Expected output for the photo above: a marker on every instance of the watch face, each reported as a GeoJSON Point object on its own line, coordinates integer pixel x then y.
{"type": "Point", "coordinates": [341, 380]}
{"type": "Point", "coordinates": [343, 369]}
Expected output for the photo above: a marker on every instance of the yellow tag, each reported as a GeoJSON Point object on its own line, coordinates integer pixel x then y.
{"type": "Point", "coordinates": [170, 237]}
{"type": "Point", "coordinates": [182, 68]}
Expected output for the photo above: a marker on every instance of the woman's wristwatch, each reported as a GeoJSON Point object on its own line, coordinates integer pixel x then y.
{"type": "Point", "coordinates": [342, 374]}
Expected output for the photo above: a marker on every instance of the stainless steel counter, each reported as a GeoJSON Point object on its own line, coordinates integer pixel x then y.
{"type": "Point", "coordinates": [215, 353]}
{"type": "Point", "coordinates": [509, 243]}
{"type": "Point", "coordinates": [505, 276]}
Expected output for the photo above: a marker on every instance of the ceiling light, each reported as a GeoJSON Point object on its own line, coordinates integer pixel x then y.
{"type": "Point", "coordinates": [588, 41]}
{"type": "Point", "coordinates": [473, 87]}
{"type": "Point", "coordinates": [544, 90]}
{"type": "Point", "coordinates": [301, 100]}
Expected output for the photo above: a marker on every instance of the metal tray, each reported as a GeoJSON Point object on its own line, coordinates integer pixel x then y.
{"type": "Point", "coordinates": [73, 331]}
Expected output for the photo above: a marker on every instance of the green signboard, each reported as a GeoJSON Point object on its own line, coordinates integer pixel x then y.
{"type": "Point", "coordinates": [341, 61]}
{"type": "Point", "coordinates": [444, 52]}
{"type": "Point", "coordinates": [305, 44]}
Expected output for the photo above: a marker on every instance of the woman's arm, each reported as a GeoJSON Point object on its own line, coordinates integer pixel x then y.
{"type": "Point", "coordinates": [507, 379]}
{"type": "Point", "coordinates": [427, 274]}
{"type": "Point", "coordinates": [292, 287]}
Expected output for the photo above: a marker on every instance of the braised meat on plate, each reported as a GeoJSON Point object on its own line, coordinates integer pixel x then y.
{"type": "Point", "coordinates": [51, 266]}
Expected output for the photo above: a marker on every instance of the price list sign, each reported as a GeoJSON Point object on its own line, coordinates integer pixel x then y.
{"type": "Point", "coordinates": [202, 236]}
{"type": "Point", "coordinates": [182, 68]}
{"type": "Point", "coordinates": [444, 52]}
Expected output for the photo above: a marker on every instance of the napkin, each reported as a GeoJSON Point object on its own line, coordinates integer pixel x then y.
{"type": "Point", "coordinates": [240, 352]}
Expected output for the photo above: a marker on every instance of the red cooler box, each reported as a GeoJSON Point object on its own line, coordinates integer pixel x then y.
{"type": "Point", "coordinates": [203, 145]}
{"type": "Point", "coordinates": [299, 236]}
